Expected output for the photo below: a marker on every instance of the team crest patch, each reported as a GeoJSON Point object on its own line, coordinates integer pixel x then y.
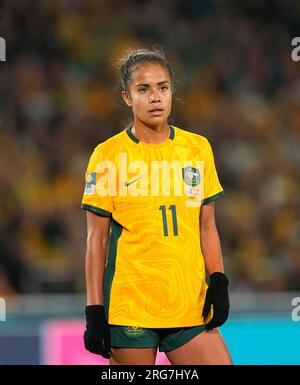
{"type": "Point", "coordinates": [191, 176]}
{"type": "Point", "coordinates": [134, 331]}
{"type": "Point", "coordinates": [90, 183]}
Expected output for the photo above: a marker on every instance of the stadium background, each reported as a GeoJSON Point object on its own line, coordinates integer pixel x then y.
{"type": "Point", "coordinates": [237, 85]}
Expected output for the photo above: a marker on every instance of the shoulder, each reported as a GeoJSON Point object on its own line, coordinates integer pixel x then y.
{"type": "Point", "coordinates": [191, 139]}
{"type": "Point", "coordinates": [110, 146]}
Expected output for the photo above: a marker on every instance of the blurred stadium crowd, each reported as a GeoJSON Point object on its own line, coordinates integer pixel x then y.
{"type": "Point", "coordinates": [237, 85]}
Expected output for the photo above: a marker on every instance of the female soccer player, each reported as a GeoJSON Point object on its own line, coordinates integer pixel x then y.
{"type": "Point", "coordinates": [150, 194]}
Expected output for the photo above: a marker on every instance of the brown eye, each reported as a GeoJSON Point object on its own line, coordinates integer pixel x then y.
{"type": "Point", "coordinates": [143, 90]}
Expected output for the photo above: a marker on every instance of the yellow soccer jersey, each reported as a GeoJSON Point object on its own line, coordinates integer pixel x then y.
{"type": "Point", "coordinates": [155, 272]}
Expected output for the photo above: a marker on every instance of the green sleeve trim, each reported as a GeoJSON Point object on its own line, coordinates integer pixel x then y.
{"type": "Point", "coordinates": [213, 198]}
{"type": "Point", "coordinates": [96, 210]}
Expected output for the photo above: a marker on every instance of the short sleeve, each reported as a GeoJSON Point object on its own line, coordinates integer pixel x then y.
{"type": "Point", "coordinates": [96, 196]}
{"type": "Point", "coordinates": [212, 187]}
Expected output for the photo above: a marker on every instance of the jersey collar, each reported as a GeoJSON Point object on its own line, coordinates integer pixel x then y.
{"type": "Point", "coordinates": [136, 140]}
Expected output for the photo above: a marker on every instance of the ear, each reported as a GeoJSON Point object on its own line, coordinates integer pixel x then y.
{"type": "Point", "coordinates": [127, 99]}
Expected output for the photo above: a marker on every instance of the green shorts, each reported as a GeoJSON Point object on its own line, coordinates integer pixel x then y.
{"type": "Point", "coordinates": [166, 339]}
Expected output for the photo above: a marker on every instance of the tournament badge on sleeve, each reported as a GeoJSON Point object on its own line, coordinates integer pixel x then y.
{"type": "Point", "coordinates": [90, 183]}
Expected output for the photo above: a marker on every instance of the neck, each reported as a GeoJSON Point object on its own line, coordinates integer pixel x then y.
{"type": "Point", "coordinates": [151, 135]}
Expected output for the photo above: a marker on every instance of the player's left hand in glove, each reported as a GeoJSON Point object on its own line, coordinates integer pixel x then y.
{"type": "Point", "coordinates": [217, 296]}
{"type": "Point", "coordinates": [97, 334]}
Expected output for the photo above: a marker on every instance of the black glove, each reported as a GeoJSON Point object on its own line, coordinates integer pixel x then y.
{"type": "Point", "coordinates": [97, 335]}
{"type": "Point", "coordinates": [217, 295]}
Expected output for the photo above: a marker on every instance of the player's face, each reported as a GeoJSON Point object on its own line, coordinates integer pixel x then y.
{"type": "Point", "coordinates": [150, 94]}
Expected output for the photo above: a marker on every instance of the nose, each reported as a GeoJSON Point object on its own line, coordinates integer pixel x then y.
{"type": "Point", "coordinates": [154, 96]}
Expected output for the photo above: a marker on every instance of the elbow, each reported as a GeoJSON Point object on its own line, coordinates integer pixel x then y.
{"type": "Point", "coordinates": [209, 232]}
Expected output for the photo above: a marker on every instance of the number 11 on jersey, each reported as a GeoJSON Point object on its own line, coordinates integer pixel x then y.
{"type": "Point", "coordinates": [174, 219]}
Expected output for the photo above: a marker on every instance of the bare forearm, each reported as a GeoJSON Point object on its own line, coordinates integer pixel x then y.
{"type": "Point", "coordinates": [211, 250]}
{"type": "Point", "coordinates": [94, 269]}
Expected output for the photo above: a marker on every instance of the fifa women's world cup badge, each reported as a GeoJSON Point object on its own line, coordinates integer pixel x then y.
{"type": "Point", "coordinates": [90, 183]}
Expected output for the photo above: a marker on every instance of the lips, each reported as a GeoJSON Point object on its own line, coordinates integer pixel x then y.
{"type": "Point", "coordinates": [156, 111]}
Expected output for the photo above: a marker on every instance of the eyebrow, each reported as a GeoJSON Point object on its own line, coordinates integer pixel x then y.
{"type": "Point", "coordinates": [147, 85]}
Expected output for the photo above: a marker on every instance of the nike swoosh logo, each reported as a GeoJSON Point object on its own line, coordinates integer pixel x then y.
{"type": "Point", "coordinates": [132, 181]}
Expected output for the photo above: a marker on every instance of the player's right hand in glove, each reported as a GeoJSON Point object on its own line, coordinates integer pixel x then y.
{"type": "Point", "coordinates": [97, 334]}
{"type": "Point", "coordinates": [217, 296]}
